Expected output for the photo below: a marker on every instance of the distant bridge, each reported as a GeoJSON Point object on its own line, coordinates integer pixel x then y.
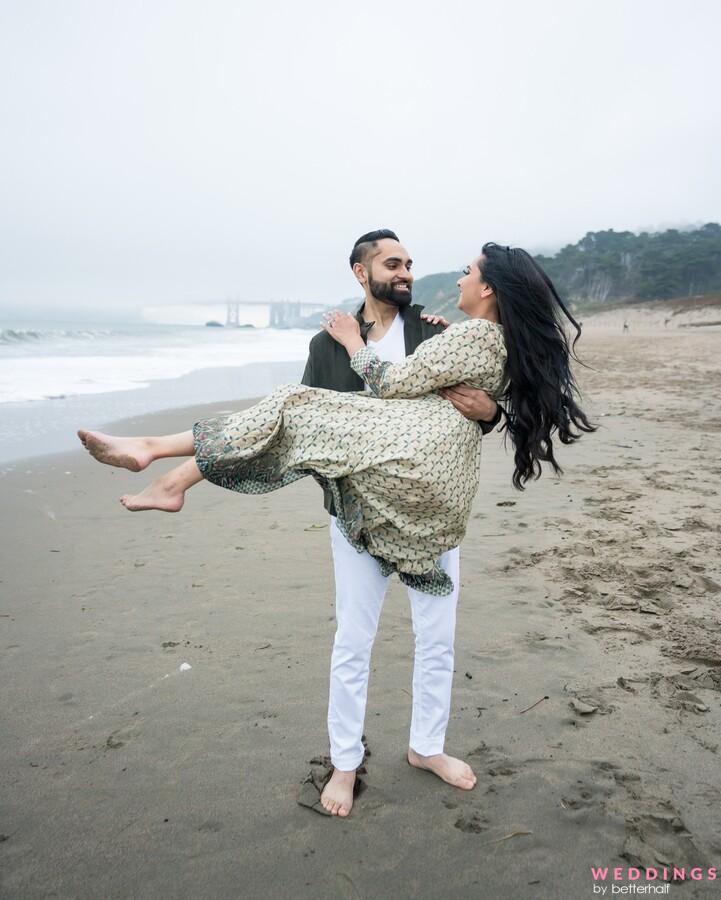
{"type": "Point", "coordinates": [283, 313]}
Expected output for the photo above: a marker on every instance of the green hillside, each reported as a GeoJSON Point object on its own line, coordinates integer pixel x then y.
{"type": "Point", "coordinates": [607, 267]}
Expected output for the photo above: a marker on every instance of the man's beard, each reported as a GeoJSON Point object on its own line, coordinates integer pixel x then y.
{"type": "Point", "coordinates": [386, 292]}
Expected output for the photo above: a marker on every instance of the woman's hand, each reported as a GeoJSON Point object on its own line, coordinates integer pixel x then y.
{"type": "Point", "coordinates": [433, 319]}
{"type": "Point", "coordinates": [344, 328]}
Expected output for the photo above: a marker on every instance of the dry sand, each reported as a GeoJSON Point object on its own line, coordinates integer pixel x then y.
{"type": "Point", "coordinates": [125, 777]}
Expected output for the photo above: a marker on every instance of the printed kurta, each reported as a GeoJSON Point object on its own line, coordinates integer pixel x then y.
{"type": "Point", "coordinates": [402, 463]}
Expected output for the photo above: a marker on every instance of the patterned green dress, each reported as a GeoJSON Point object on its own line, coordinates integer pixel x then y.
{"type": "Point", "coordinates": [402, 462]}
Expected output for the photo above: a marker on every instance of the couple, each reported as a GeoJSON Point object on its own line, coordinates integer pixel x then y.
{"type": "Point", "coordinates": [398, 460]}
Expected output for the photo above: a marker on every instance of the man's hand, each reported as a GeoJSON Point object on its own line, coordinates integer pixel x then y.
{"type": "Point", "coordinates": [471, 402]}
{"type": "Point", "coordinates": [435, 320]}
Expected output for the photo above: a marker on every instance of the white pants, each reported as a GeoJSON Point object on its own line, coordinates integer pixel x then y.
{"type": "Point", "coordinates": [360, 591]}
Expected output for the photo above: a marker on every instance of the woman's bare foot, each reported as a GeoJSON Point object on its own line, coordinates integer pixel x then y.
{"type": "Point", "coordinates": [163, 494]}
{"type": "Point", "coordinates": [453, 771]}
{"type": "Point", "coordinates": [126, 453]}
{"type": "Point", "coordinates": [337, 796]}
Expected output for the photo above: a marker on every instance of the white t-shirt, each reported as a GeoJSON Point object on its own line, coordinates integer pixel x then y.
{"type": "Point", "coordinates": [392, 346]}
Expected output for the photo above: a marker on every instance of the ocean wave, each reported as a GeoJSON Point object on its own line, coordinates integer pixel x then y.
{"type": "Point", "coordinates": [15, 336]}
{"type": "Point", "coordinates": [39, 371]}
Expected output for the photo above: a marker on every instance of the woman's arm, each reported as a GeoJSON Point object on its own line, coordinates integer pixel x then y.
{"type": "Point", "coordinates": [463, 352]}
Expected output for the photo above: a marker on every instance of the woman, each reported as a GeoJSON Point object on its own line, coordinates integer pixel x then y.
{"type": "Point", "coordinates": [404, 471]}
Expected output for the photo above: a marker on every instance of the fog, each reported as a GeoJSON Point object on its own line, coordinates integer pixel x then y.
{"type": "Point", "coordinates": [178, 152]}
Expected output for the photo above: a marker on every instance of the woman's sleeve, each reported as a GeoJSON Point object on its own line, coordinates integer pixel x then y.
{"type": "Point", "coordinates": [445, 359]}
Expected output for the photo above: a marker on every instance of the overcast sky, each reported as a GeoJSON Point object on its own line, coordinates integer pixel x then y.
{"type": "Point", "coordinates": [165, 152]}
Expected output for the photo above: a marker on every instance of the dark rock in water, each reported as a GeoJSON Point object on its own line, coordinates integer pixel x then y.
{"type": "Point", "coordinates": [213, 324]}
{"type": "Point", "coordinates": [55, 396]}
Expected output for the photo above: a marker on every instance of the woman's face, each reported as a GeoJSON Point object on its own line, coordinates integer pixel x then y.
{"type": "Point", "coordinates": [474, 292]}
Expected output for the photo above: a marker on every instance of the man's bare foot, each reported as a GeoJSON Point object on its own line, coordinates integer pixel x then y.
{"type": "Point", "coordinates": [126, 453]}
{"type": "Point", "coordinates": [453, 771]}
{"type": "Point", "coordinates": [163, 494]}
{"type": "Point", "coordinates": [337, 796]}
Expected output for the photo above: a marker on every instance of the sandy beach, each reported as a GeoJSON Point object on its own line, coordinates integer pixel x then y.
{"type": "Point", "coordinates": [587, 693]}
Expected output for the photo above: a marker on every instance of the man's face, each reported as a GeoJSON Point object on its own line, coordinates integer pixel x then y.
{"type": "Point", "coordinates": [389, 273]}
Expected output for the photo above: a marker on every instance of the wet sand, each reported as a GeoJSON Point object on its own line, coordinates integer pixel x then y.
{"type": "Point", "coordinates": [125, 776]}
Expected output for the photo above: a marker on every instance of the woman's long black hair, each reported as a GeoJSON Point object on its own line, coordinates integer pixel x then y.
{"type": "Point", "coordinates": [540, 398]}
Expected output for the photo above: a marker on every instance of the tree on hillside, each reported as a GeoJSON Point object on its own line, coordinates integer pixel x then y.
{"type": "Point", "coordinates": [610, 266]}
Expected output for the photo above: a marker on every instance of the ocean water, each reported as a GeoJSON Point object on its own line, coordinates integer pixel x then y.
{"type": "Point", "coordinates": [64, 361]}
{"type": "Point", "coordinates": [59, 376]}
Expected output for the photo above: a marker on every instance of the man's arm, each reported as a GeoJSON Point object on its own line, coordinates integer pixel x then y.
{"type": "Point", "coordinates": [315, 370]}
{"type": "Point", "coordinates": [308, 376]}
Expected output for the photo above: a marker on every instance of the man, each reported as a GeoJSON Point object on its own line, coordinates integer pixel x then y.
{"type": "Point", "coordinates": [392, 327]}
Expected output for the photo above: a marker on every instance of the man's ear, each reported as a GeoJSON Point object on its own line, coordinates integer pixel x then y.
{"type": "Point", "coordinates": [359, 270]}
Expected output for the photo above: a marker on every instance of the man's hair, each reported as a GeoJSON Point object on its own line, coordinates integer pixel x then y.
{"type": "Point", "coordinates": [367, 242]}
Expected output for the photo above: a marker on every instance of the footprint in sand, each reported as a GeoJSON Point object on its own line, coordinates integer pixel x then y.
{"type": "Point", "coordinates": [708, 585]}
{"type": "Point", "coordinates": [677, 692]}
{"type": "Point", "coordinates": [660, 838]}
{"type": "Point", "coordinates": [496, 761]}
{"type": "Point", "coordinates": [66, 698]}
{"type": "Point", "coordinates": [587, 703]}
{"type": "Point", "coordinates": [472, 823]}
{"type": "Point", "coordinates": [705, 678]}
{"type": "Point", "coordinates": [121, 736]}
{"type": "Point", "coordinates": [655, 834]}
{"type": "Point", "coordinates": [694, 639]}
{"type": "Point", "coordinates": [87, 635]}
{"type": "Point", "coordinates": [616, 627]}
{"type": "Point", "coordinates": [587, 794]}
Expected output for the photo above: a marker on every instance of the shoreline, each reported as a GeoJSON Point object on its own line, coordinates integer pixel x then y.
{"type": "Point", "coordinates": [48, 426]}
{"type": "Point", "coordinates": [165, 421]}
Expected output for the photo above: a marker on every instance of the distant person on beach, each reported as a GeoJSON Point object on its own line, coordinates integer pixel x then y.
{"type": "Point", "coordinates": [625, 326]}
{"type": "Point", "coordinates": [403, 470]}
